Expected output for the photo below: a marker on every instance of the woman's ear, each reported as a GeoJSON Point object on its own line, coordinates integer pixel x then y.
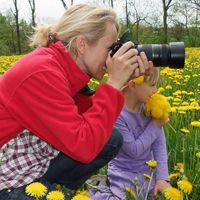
{"type": "Point", "coordinates": [81, 44]}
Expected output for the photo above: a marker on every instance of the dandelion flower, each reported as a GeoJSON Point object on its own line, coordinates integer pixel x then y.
{"type": "Point", "coordinates": [130, 192]}
{"type": "Point", "coordinates": [81, 196]}
{"type": "Point", "coordinates": [172, 110]}
{"type": "Point", "coordinates": [36, 190]}
{"type": "Point", "coordinates": [184, 131]}
{"type": "Point", "coordinates": [147, 176]}
{"type": "Point", "coordinates": [180, 167]}
{"type": "Point", "coordinates": [55, 195]}
{"type": "Point", "coordinates": [185, 186]}
{"type": "Point", "coordinates": [172, 194]}
{"type": "Point", "coordinates": [173, 176]}
{"type": "Point", "coordinates": [138, 80]}
{"type": "Point", "coordinates": [195, 123]}
{"type": "Point", "coordinates": [152, 163]}
{"type": "Point", "coordinates": [194, 103]}
{"type": "Point", "coordinates": [182, 112]}
{"type": "Point", "coordinates": [157, 107]}
{"type": "Point", "coordinates": [160, 89]}
{"type": "Point", "coordinates": [168, 87]}
{"type": "Point", "coordinates": [58, 187]}
{"type": "Point", "coordinates": [198, 154]}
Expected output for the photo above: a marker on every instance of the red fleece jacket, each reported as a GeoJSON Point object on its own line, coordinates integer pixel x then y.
{"type": "Point", "coordinates": [37, 94]}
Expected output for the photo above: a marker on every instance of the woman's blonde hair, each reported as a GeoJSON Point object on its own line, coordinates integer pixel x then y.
{"type": "Point", "coordinates": [80, 19]}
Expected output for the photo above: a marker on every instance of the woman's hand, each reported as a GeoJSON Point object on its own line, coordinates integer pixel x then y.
{"type": "Point", "coordinates": [122, 65]}
{"type": "Point", "coordinates": [126, 64]}
{"type": "Point", "coordinates": [160, 187]}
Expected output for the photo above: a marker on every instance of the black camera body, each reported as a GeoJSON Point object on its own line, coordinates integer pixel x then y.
{"type": "Point", "coordinates": [171, 55]}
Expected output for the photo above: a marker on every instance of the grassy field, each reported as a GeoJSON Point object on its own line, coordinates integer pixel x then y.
{"type": "Point", "coordinates": [182, 88]}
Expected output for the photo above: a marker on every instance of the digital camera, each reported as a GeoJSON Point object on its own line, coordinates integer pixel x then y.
{"type": "Point", "coordinates": [171, 55]}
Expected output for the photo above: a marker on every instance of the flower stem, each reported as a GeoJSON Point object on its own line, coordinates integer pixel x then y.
{"type": "Point", "coordinates": [146, 195]}
{"type": "Point", "coordinates": [195, 144]}
{"type": "Point", "coordinates": [184, 152]}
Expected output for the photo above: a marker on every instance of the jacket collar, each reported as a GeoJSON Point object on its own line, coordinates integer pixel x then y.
{"type": "Point", "coordinates": [76, 77]}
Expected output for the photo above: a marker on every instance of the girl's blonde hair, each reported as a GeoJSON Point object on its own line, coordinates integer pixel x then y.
{"type": "Point", "coordinates": [80, 19]}
{"type": "Point", "coordinates": [153, 77]}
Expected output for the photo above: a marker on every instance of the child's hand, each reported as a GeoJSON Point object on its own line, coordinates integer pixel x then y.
{"type": "Point", "coordinates": [160, 186]}
{"type": "Point", "coordinates": [160, 122]}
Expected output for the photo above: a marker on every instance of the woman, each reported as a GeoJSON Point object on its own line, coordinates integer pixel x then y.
{"type": "Point", "coordinates": [49, 131]}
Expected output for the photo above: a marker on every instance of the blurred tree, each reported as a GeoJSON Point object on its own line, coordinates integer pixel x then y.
{"type": "Point", "coordinates": [110, 3]}
{"type": "Point", "coordinates": [64, 4]}
{"type": "Point", "coordinates": [16, 15]}
{"type": "Point", "coordinates": [196, 3]}
{"type": "Point", "coordinates": [166, 6]}
{"type": "Point", "coordinates": [32, 6]}
{"type": "Point", "coordinates": [135, 15]}
{"type": "Point", "coordinates": [8, 37]}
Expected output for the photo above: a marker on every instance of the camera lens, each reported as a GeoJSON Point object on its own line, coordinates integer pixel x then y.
{"type": "Point", "coordinates": [172, 54]}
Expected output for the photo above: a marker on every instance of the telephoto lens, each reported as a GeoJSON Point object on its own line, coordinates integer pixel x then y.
{"type": "Point", "coordinates": [171, 55]}
{"type": "Point", "coordinates": [162, 55]}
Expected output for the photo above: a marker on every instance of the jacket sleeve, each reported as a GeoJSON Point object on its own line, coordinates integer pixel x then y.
{"type": "Point", "coordinates": [135, 147]}
{"type": "Point", "coordinates": [83, 102]}
{"type": "Point", "coordinates": [43, 105]}
{"type": "Point", "coordinates": [160, 155]}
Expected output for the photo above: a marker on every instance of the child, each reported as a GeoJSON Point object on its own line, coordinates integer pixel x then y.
{"type": "Point", "coordinates": [143, 140]}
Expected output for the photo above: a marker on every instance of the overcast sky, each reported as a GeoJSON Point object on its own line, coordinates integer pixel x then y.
{"type": "Point", "coordinates": [50, 10]}
{"type": "Point", "coordinates": [45, 9]}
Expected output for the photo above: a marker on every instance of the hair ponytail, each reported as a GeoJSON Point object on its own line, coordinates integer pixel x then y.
{"type": "Point", "coordinates": [41, 36]}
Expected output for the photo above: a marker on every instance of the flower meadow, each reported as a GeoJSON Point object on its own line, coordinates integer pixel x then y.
{"type": "Point", "coordinates": [181, 87]}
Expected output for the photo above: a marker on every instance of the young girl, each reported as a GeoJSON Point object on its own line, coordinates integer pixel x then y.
{"type": "Point", "coordinates": [143, 140]}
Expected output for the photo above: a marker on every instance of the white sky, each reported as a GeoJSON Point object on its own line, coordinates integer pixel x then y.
{"type": "Point", "coordinates": [50, 10]}
{"type": "Point", "coordinates": [46, 10]}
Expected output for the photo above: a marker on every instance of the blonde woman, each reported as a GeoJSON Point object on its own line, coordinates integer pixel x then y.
{"type": "Point", "coordinates": [144, 140]}
{"type": "Point", "coordinates": [52, 130]}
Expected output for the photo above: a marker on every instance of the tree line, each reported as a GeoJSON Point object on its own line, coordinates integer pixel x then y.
{"type": "Point", "coordinates": [178, 20]}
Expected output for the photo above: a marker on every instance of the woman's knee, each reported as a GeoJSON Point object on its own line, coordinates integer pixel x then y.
{"type": "Point", "coordinates": [116, 138]}
{"type": "Point", "coordinates": [113, 145]}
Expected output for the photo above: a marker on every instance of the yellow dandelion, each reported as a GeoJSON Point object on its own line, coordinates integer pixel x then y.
{"type": "Point", "coordinates": [82, 196]}
{"type": "Point", "coordinates": [168, 87]}
{"type": "Point", "coordinates": [130, 192]}
{"type": "Point", "coordinates": [185, 186]}
{"type": "Point", "coordinates": [157, 107]}
{"type": "Point", "coordinates": [174, 176]}
{"type": "Point", "coordinates": [182, 112]}
{"type": "Point", "coordinates": [147, 176]}
{"type": "Point", "coordinates": [160, 89]}
{"type": "Point", "coordinates": [194, 103]}
{"type": "Point", "coordinates": [152, 163]}
{"type": "Point", "coordinates": [175, 104]}
{"type": "Point", "coordinates": [172, 193]}
{"type": "Point", "coordinates": [180, 167]}
{"type": "Point", "coordinates": [172, 109]}
{"type": "Point", "coordinates": [195, 123]}
{"type": "Point", "coordinates": [36, 190]}
{"type": "Point", "coordinates": [198, 154]}
{"type": "Point", "coordinates": [138, 80]}
{"type": "Point", "coordinates": [58, 187]}
{"type": "Point", "coordinates": [55, 195]}
{"type": "Point", "coordinates": [184, 131]}
{"type": "Point", "coordinates": [185, 103]}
